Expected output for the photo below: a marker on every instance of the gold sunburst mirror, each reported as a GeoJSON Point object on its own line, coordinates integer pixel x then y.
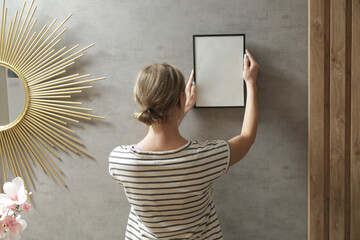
{"type": "Point", "coordinates": [35, 96]}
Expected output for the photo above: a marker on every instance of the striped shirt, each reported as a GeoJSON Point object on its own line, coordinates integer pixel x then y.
{"type": "Point", "coordinates": [170, 192]}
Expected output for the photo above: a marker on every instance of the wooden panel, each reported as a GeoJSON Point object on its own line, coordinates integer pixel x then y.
{"type": "Point", "coordinates": [326, 118]}
{"type": "Point", "coordinates": [316, 72]}
{"type": "Point", "coordinates": [334, 120]}
{"type": "Point", "coordinates": [337, 119]}
{"type": "Point", "coordinates": [355, 122]}
{"type": "Point", "coordinates": [347, 116]}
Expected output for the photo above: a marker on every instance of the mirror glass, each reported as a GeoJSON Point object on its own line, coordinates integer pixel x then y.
{"type": "Point", "coordinates": [12, 96]}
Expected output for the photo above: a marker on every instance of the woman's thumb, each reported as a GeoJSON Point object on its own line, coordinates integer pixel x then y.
{"type": "Point", "coordinates": [246, 62]}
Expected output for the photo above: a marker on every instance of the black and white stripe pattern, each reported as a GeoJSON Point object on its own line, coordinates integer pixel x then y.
{"type": "Point", "coordinates": [170, 191]}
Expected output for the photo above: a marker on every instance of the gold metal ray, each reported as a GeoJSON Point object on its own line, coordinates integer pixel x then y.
{"type": "Point", "coordinates": [22, 32]}
{"type": "Point", "coordinates": [55, 81]}
{"type": "Point", "coordinates": [30, 141]}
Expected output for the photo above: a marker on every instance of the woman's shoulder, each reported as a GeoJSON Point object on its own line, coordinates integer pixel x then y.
{"type": "Point", "coordinates": [121, 149]}
{"type": "Point", "coordinates": [208, 144]}
{"type": "Point", "coordinates": [193, 146]}
{"type": "Point", "coordinates": [214, 142]}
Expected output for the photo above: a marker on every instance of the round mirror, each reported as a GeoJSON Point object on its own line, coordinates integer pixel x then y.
{"type": "Point", "coordinates": [12, 96]}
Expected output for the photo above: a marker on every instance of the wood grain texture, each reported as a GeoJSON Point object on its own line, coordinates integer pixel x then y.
{"type": "Point", "coordinates": [355, 122]}
{"type": "Point", "coordinates": [316, 63]}
{"type": "Point", "coordinates": [348, 116]}
{"type": "Point", "coordinates": [337, 119]}
{"type": "Point", "coordinates": [327, 119]}
{"type": "Point", "coordinates": [338, 208]}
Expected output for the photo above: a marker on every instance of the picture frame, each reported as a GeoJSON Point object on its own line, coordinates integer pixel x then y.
{"type": "Point", "coordinates": [217, 57]}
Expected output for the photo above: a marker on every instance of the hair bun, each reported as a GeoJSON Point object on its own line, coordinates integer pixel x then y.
{"type": "Point", "coordinates": [148, 116]}
{"type": "Point", "coordinates": [149, 109]}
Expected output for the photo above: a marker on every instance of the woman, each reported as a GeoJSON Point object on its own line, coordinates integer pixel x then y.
{"type": "Point", "coordinates": [168, 179]}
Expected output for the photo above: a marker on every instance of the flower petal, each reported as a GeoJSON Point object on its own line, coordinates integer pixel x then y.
{"type": "Point", "coordinates": [23, 224]}
{"type": "Point", "coordinates": [21, 196]}
{"type": "Point", "coordinates": [5, 199]}
{"type": "Point", "coordinates": [10, 189]}
{"type": "Point", "coordinates": [18, 184]}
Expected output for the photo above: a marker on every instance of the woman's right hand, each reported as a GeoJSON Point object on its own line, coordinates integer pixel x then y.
{"type": "Point", "coordinates": [190, 92]}
{"type": "Point", "coordinates": [251, 68]}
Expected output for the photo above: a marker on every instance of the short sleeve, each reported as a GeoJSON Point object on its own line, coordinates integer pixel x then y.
{"type": "Point", "coordinates": [224, 147]}
{"type": "Point", "coordinates": [114, 165]}
{"type": "Point", "coordinates": [216, 152]}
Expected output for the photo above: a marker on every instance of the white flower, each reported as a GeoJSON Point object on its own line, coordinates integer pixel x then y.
{"type": "Point", "coordinates": [15, 193]}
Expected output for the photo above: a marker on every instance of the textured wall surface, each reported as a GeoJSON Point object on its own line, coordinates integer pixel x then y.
{"type": "Point", "coordinates": [264, 196]}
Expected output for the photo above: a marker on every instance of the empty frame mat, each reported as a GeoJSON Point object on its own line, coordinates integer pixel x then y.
{"type": "Point", "coordinates": [218, 65]}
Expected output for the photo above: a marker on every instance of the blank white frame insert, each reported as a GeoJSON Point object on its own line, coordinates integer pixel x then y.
{"type": "Point", "coordinates": [218, 70]}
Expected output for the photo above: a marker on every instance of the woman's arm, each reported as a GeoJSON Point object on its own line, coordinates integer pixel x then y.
{"type": "Point", "coordinates": [241, 144]}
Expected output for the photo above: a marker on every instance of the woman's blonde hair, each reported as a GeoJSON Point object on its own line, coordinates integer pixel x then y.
{"type": "Point", "coordinates": [157, 90]}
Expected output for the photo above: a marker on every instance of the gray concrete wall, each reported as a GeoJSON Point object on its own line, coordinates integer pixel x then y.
{"type": "Point", "coordinates": [262, 197]}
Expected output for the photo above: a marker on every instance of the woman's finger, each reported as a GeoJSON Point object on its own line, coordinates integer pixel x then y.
{"type": "Point", "coordinates": [193, 89]}
{"type": "Point", "coordinates": [250, 56]}
{"type": "Point", "coordinates": [191, 78]}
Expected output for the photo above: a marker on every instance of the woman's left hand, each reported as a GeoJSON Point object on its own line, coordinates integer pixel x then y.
{"type": "Point", "coordinates": [190, 93]}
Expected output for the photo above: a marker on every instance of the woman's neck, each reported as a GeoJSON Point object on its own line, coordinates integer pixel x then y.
{"type": "Point", "coordinates": [162, 137]}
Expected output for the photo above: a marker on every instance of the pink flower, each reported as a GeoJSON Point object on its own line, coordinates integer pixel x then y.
{"type": "Point", "coordinates": [11, 227]}
{"type": "Point", "coordinates": [12, 224]}
{"type": "Point", "coordinates": [26, 207]}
